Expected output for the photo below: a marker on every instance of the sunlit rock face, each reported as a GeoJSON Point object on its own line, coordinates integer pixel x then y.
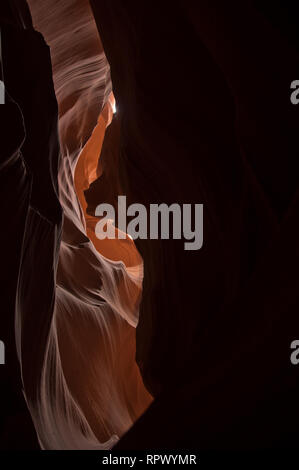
{"type": "Point", "coordinates": [88, 390]}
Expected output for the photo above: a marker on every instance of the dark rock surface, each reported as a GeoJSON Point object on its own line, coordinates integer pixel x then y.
{"type": "Point", "coordinates": [31, 215]}
{"type": "Point", "coordinates": [203, 97]}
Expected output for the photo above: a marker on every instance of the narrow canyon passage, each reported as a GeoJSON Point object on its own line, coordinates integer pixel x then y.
{"type": "Point", "coordinates": [89, 391]}
{"type": "Point", "coordinates": [142, 343]}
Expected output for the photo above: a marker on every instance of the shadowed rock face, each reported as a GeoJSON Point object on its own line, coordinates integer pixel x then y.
{"type": "Point", "coordinates": [29, 156]}
{"type": "Point", "coordinates": [203, 100]}
{"type": "Point", "coordinates": [203, 117]}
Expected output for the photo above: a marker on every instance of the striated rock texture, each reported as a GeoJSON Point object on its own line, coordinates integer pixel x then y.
{"type": "Point", "coordinates": [76, 300]}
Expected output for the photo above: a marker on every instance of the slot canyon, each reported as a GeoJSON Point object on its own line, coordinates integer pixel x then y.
{"type": "Point", "coordinates": [140, 344]}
